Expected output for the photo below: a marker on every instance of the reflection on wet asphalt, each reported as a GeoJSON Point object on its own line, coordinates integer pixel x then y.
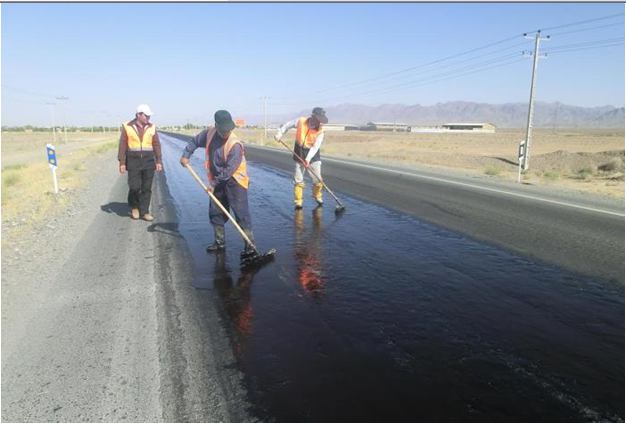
{"type": "Point", "coordinates": [376, 316]}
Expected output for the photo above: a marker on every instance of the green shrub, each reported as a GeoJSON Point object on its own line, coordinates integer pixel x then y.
{"type": "Point", "coordinates": [107, 147]}
{"type": "Point", "coordinates": [551, 175]}
{"type": "Point", "coordinates": [14, 167]}
{"type": "Point", "coordinates": [10, 179]}
{"type": "Point", "coordinates": [492, 170]}
{"type": "Point", "coordinates": [584, 173]}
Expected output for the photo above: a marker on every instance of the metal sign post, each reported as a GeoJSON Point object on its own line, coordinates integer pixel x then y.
{"type": "Point", "coordinates": [520, 158]}
{"type": "Point", "coordinates": [52, 161]}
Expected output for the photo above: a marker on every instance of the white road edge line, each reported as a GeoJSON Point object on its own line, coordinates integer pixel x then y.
{"type": "Point", "coordinates": [478, 187]}
{"type": "Point", "coordinates": [514, 194]}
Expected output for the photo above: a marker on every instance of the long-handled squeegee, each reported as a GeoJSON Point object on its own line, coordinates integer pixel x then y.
{"type": "Point", "coordinates": [247, 259]}
{"type": "Point", "coordinates": [340, 207]}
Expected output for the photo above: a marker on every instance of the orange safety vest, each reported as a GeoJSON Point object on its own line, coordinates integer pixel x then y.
{"type": "Point", "coordinates": [305, 136]}
{"type": "Point", "coordinates": [136, 144]}
{"type": "Point", "coordinates": [241, 174]}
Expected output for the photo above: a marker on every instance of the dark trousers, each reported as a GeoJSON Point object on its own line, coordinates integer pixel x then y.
{"type": "Point", "coordinates": [140, 170]}
{"type": "Point", "coordinates": [234, 198]}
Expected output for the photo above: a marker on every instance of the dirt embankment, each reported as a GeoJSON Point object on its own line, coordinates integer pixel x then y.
{"type": "Point", "coordinates": [587, 161]}
{"type": "Point", "coordinates": [28, 200]}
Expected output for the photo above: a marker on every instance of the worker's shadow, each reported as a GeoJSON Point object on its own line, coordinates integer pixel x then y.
{"type": "Point", "coordinates": [166, 228]}
{"type": "Point", "coordinates": [235, 298]}
{"type": "Point", "coordinates": [120, 209]}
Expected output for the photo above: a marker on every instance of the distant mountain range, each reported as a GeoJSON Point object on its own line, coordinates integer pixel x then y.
{"type": "Point", "coordinates": [509, 115]}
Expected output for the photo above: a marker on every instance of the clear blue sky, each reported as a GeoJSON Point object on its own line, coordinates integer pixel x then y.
{"type": "Point", "coordinates": [187, 60]}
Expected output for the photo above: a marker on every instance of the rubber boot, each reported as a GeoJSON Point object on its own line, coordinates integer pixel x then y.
{"type": "Point", "coordinates": [298, 190]}
{"type": "Point", "coordinates": [317, 193]}
{"type": "Point", "coordinates": [219, 243]}
{"type": "Point", "coordinates": [249, 254]}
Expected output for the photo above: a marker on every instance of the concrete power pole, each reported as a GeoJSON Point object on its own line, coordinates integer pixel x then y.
{"type": "Point", "coordinates": [531, 102]}
{"type": "Point", "coordinates": [54, 129]}
{"type": "Point", "coordinates": [264, 117]}
{"type": "Point", "coordinates": [64, 98]}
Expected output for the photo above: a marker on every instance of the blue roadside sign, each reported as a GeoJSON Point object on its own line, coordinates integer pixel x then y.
{"type": "Point", "coordinates": [52, 156]}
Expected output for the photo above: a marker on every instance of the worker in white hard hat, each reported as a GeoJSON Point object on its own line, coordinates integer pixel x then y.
{"type": "Point", "coordinates": [139, 153]}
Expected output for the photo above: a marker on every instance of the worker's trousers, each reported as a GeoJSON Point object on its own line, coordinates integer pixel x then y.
{"type": "Point", "coordinates": [234, 198]}
{"type": "Point", "coordinates": [140, 170]}
{"type": "Point", "coordinates": [316, 166]}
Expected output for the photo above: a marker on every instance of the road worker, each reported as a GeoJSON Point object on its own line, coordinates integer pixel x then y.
{"type": "Point", "coordinates": [139, 153]}
{"type": "Point", "coordinates": [309, 139]}
{"type": "Point", "coordinates": [226, 167]}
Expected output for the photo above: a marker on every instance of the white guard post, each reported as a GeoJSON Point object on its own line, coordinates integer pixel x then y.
{"type": "Point", "coordinates": [52, 161]}
{"type": "Point", "coordinates": [520, 159]}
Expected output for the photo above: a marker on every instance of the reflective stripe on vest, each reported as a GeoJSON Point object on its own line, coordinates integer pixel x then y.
{"type": "Point", "coordinates": [134, 143]}
{"type": "Point", "coordinates": [303, 130]}
{"type": "Point", "coordinates": [241, 174]}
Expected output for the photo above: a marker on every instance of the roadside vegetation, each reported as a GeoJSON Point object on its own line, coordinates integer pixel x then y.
{"type": "Point", "coordinates": [586, 160]}
{"type": "Point", "coordinates": [493, 170]}
{"type": "Point", "coordinates": [28, 197]}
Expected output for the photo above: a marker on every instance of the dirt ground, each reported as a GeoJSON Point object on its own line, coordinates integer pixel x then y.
{"type": "Point", "coordinates": [28, 199]}
{"type": "Point", "coordinates": [590, 161]}
{"type": "Point", "coordinates": [22, 148]}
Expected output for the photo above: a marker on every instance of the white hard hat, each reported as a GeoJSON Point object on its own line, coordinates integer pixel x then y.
{"type": "Point", "coordinates": [145, 109]}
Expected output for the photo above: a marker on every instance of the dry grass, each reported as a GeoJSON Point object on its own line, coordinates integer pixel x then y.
{"type": "Point", "coordinates": [584, 160]}
{"type": "Point", "coordinates": [27, 188]}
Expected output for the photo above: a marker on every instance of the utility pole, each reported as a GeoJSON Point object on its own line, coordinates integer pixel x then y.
{"type": "Point", "coordinates": [264, 118]}
{"type": "Point", "coordinates": [63, 98]}
{"type": "Point", "coordinates": [54, 129]}
{"type": "Point", "coordinates": [531, 102]}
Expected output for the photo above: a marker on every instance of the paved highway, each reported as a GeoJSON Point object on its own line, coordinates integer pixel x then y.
{"type": "Point", "coordinates": [108, 318]}
{"type": "Point", "coordinates": [579, 234]}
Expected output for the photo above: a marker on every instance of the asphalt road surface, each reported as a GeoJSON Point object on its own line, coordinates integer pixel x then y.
{"type": "Point", "coordinates": [100, 321]}
{"type": "Point", "coordinates": [423, 301]}
{"type": "Point", "coordinates": [378, 315]}
{"type": "Point", "coordinates": [579, 234]}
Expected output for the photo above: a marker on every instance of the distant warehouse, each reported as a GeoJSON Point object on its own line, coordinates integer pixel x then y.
{"type": "Point", "coordinates": [335, 126]}
{"type": "Point", "coordinates": [386, 126]}
{"type": "Point", "coordinates": [465, 127]}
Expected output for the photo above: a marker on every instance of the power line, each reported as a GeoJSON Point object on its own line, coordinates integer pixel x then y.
{"type": "Point", "coordinates": [402, 71]}
{"type": "Point", "coordinates": [449, 65]}
{"type": "Point", "coordinates": [588, 29]}
{"type": "Point", "coordinates": [430, 80]}
{"type": "Point", "coordinates": [601, 18]}
{"type": "Point", "coordinates": [23, 91]}
{"type": "Point", "coordinates": [418, 66]}
{"type": "Point", "coordinates": [439, 64]}
{"type": "Point", "coordinates": [553, 52]}
{"type": "Point", "coordinates": [456, 73]}
{"type": "Point", "coordinates": [453, 76]}
{"type": "Point", "coordinates": [427, 71]}
{"type": "Point", "coordinates": [587, 43]}
{"type": "Point", "coordinates": [468, 67]}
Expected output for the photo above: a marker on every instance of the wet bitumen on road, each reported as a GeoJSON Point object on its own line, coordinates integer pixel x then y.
{"type": "Point", "coordinates": [372, 315]}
